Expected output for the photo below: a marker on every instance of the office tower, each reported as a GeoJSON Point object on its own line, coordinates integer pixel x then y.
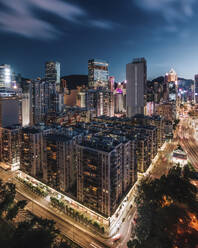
{"type": "Point", "coordinates": [5, 76]}
{"type": "Point", "coordinates": [27, 104]}
{"type": "Point", "coordinates": [98, 73]}
{"type": "Point", "coordinates": [59, 161]}
{"type": "Point", "coordinates": [100, 176]}
{"type": "Point", "coordinates": [52, 75]}
{"type": "Point", "coordinates": [196, 89]}
{"type": "Point", "coordinates": [40, 100]}
{"type": "Point", "coordinates": [118, 98]}
{"type": "Point", "coordinates": [10, 147]}
{"type": "Point", "coordinates": [136, 75]}
{"type": "Point", "coordinates": [111, 83]}
{"type": "Point", "coordinates": [172, 85]}
{"type": "Point", "coordinates": [81, 100]}
{"type": "Point", "coordinates": [105, 103]}
{"type": "Point", "coordinates": [10, 110]}
{"type": "Point", "coordinates": [172, 76]}
{"type": "Point", "coordinates": [100, 102]}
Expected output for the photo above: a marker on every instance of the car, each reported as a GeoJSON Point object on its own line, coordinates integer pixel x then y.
{"type": "Point", "coordinates": [116, 237]}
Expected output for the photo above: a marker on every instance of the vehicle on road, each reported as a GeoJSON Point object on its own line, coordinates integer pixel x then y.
{"type": "Point", "coordinates": [116, 237]}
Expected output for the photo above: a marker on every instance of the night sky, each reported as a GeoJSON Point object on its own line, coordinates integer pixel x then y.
{"type": "Point", "coordinates": [165, 32]}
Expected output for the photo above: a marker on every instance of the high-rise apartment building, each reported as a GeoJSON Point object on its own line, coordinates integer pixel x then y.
{"type": "Point", "coordinates": [98, 73]}
{"type": "Point", "coordinates": [31, 154]}
{"type": "Point", "coordinates": [5, 76]}
{"type": "Point", "coordinates": [136, 76]}
{"type": "Point", "coordinates": [10, 147]}
{"type": "Point", "coordinates": [101, 172]}
{"type": "Point", "coordinates": [59, 161]}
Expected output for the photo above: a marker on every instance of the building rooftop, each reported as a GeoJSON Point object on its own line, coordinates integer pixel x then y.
{"type": "Point", "coordinates": [101, 143]}
{"type": "Point", "coordinates": [56, 137]}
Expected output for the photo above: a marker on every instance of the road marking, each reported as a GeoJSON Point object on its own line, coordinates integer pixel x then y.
{"type": "Point", "coordinates": [94, 245]}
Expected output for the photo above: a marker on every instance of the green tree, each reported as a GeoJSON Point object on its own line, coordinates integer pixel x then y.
{"type": "Point", "coordinates": [37, 232]}
{"type": "Point", "coordinates": [13, 211]}
{"type": "Point", "coordinates": [165, 208]}
{"type": "Point", "coordinates": [7, 195]}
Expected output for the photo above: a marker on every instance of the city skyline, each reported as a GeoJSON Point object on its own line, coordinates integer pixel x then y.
{"type": "Point", "coordinates": [73, 32]}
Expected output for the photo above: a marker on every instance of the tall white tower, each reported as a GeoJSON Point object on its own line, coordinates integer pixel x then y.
{"type": "Point", "coordinates": [136, 76]}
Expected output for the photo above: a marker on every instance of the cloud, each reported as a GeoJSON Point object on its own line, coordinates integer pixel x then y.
{"type": "Point", "coordinates": [19, 17]}
{"type": "Point", "coordinates": [102, 24]}
{"type": "Point", "coordinates": [171, 10]}
{"type": "Point", "coordinates": [171, 29]}
{"type": "Point", "coordinates": [28, 26]}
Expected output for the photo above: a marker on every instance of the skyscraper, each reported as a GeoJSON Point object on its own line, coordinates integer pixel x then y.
{"type": "Point", "coordinates": [136, 75]}
{"type": "Point", "coordinates": [5, 76]}
{"type": "Point", "coordinates": [52, 74]}
{"type": "Point", "coordinates": [98, 73]}
{"type": "Point", "coordinates": [172, 86]}
{"type": "Point", "coordinates": [10, 110]}
{"type": "Point", "coordinates": [40, 101]}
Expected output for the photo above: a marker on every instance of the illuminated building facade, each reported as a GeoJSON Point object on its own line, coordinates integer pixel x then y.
{"type": "Point", "coordinates": [180, 157]}
{"type": "Point", "coordinates": [27, 105]}
{"type": "Point", "coordinates": [120, 98]}
{"type": "Point", "coordinates": [31, 154]}
{"type": "Point", "coordinates": [59, 162]}
{"type": "Point", "coordinates": [10, 147]}
{"type": "Point", "coordinates": [100, 102]}
{"type": "Point", "coordinates": [98, 73]}
{"type": "Point", "coordinates": [52, 74]}
{"type": "Point", "coordinates": [172, 86]}
{"type": "Point", "coordinates": [101, 174]}
{"type": "Point", "coordinates": [111, 83]}
{"type": "Point", "coordinates": [167, 110]}
{"type": "Point", "coordinates": [172, 76]}
{"type": "Point", "coordinates": [40, 100]}
{"type": "Point", "coordinates": [5, 76]}
{"type": "Point", "coordinates": [81, 100]}
{"type": "Point", "coordinates": [136, 76]}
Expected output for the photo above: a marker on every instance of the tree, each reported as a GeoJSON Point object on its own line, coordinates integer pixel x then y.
{"type": "Point", "coordinates": [7, 195]}
{"type": "Point", "coordinates": [13, 211]}
{"type": "Point", "coordinates": [167, 212]}
{"type": "Point", "coordinates": [37, 232]}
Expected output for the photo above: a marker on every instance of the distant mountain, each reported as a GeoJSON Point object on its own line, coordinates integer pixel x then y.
{"type": "Point", "coordinates": [158, 79]}
{"type": "Point", "coordinates": [73, 81]}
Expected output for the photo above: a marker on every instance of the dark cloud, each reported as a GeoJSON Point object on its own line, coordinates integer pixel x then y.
{"type": "Point", "coordinates": [19, 17]}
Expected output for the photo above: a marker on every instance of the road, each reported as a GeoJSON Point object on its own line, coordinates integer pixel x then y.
{"type": "Point", "coordinates": [160, 167]}
{"type": "Point", "coordinates": [41, 207]}
{"type": "Point", "coordinates": [187, 140]}
{"type": "Point", "coordinates": [66, 228]}
{"type": "Point", "coordinates": [81, 236]}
